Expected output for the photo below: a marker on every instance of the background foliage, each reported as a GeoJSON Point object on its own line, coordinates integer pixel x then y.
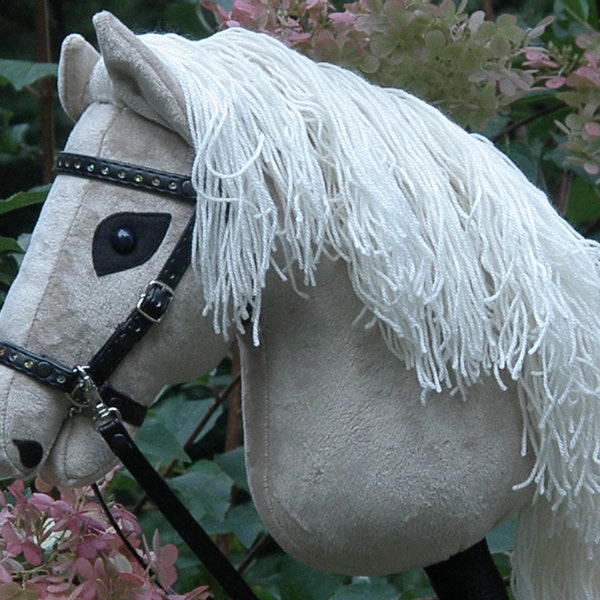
{"type": "Point", "coordinates": [501, 68]}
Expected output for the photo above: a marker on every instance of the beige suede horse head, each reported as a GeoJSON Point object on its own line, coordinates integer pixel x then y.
{"type": "Point", "coordinates": [423, 356]}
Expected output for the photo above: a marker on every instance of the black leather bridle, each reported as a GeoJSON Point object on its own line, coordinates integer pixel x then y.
{"type": "Point", "coordinates": [87, 385]}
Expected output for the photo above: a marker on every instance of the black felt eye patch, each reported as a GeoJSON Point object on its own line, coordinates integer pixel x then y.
{"type": "Point", "coordinates": [126, 240]}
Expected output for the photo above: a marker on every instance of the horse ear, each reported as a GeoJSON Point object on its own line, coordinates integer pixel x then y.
{"type": "Point", "coordinates": [139, 78]}
{"type": "Point", "coordinates": [77, 61]}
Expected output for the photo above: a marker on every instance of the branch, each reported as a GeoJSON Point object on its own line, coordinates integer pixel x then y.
{"type": "Point", "coordinates": [42, 30]}
{"type": "Point", "coordinates": [508, 129]}
{"type": "Point", "coordinates": [488, 9]}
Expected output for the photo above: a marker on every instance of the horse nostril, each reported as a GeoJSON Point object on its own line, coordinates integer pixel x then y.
{"type": "Point", "coordinates": [30, 452]}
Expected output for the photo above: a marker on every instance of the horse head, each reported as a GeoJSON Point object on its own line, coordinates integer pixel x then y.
{"type": "Point", "coordinates": [95, 250]}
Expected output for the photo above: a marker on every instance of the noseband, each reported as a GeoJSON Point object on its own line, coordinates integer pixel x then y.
{"type": "Point", "coordinates": [86, 385]}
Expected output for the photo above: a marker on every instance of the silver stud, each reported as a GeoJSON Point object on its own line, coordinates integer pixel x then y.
{"type": "Point", "coordinates": [105, 170]}
{"type": "Point", "coordinates": [91, 167]}
{"type": "Point", "coordinates": [28, 364]}
{"type": "Point", "coordinates": [2, 351]}
{"type": "Point", "coordinates": [138, 178]}
{"type": "Point", "coordinates": [173, 186]}
{"type": "Point", "coordinates": [13, 357]}
{"type": "Point", "coordinates": [156, 182]}
{"type": "Point", "coordinates": [121, 174]}
{"type": "Point", "coordinates": [77, 164]}
{"type": "Point", "coordinates": [60, 378]}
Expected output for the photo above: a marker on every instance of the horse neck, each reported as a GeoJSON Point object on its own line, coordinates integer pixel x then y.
{"type": "Point", "coordinates": [308, 319]}
{"type": "Point", "coordinates": [308, 338]}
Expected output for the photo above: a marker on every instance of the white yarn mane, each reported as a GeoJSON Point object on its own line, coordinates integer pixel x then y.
{"type": "Point", "coordinates": [462, 262]}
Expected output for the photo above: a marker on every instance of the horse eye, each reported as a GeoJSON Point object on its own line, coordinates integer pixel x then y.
{"type": "Point", "coordinates": [123, 240]}
{"type": "Point", "coordinates": [126, 240]}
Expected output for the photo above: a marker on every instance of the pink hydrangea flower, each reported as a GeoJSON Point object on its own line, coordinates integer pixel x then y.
{"type": "Point", "coordinates": [66, 549]}
{"type": "Point", "coordinates": [538, 58]}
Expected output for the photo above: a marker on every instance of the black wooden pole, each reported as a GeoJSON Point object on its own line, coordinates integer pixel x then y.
{"type": "Point", "coordinates": [468, 575]}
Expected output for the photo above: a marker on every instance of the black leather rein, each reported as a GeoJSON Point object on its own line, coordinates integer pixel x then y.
{"type": "Point", "coordinates": [86, 385]}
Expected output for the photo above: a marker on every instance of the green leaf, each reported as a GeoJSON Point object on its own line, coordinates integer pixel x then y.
{"type": "Point", "coordinates": [588, 10]}
{"type": "Point", "coordinates": [234, 464]}
{"type": "Point", "coordinates": [367, 588]}
{"type": "Point", "coordinates": [180, 414]}
{"type": "Point", "coordinates": [23, 199]}
{"type": "Point", "coordinates": [299, 582]}
{"type": "Point", "coordinates": [12, 139]}
{"type": "Point", "coordinates": [8, 244]}
{"type": "Point", "coordinates": [583, 207]}
{"type": "Point", "coordinates": [205, 489]}
{"type": "Point", "coordinates": [185, 18]}
{"type": "Point", "coordinates": [524, 157]}
{"type": "Point", "coordinates": [243, 521]}
{"type": "Point", "coordinates": [20, 73]}
{"type": "Point", "coordinates": [8, 269]}
{"type": "Point", "coordinates": [502, 539]}
{"type": "Point", "coordinates": [572, 14]}
{"type": "Point", "coordinates": [6, 279]}
{"type": "Point", "coordinates": [156, 440]}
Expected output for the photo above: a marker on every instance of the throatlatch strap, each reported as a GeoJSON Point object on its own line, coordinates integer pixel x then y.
{"type": "Point", "coordinates": [174, 511]}
{"type": "Point", "coordinates": [52, 373]}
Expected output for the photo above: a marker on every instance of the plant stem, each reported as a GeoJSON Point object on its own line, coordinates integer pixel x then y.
{"type": "Point", "coordinates": [46, 88]}
{"type": "Point", "coordinates": [233, 438]}
{"type": "Point", "coordinates": [508, 129]}
{"type": "Point", "coordinates": [488, 9]}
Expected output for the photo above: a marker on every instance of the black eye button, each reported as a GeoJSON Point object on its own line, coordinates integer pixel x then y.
{"type": "Point", "coordinates": [123, 240]}
{"type": "Point", "coordinates": [126, 240]}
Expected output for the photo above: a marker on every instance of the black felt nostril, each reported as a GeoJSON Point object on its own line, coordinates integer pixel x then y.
{"type": "Point", "coordinates": [30, 452]}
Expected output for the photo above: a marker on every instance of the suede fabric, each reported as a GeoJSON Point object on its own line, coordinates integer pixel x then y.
{"type": "Point", "coordinates": [74, 91]}
{"type": "Point", "coordinates": [346, 466]}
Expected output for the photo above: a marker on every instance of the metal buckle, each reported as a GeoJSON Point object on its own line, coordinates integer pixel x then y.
{"type": "Point", "coordinates": [85, 392]}
{"type": "Point", "coordinates": [86, 395]}
{"type": "Point", "coordinates": [163, 288]}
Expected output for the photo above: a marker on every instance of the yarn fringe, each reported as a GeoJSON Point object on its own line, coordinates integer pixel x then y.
{"type": "Point", "coordinates": [549, 561]}
{"type": "Point", "coordinates": [466, 267]}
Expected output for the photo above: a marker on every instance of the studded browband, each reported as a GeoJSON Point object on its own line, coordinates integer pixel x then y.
{"type": "Point", "coordinates": [132, 176]}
